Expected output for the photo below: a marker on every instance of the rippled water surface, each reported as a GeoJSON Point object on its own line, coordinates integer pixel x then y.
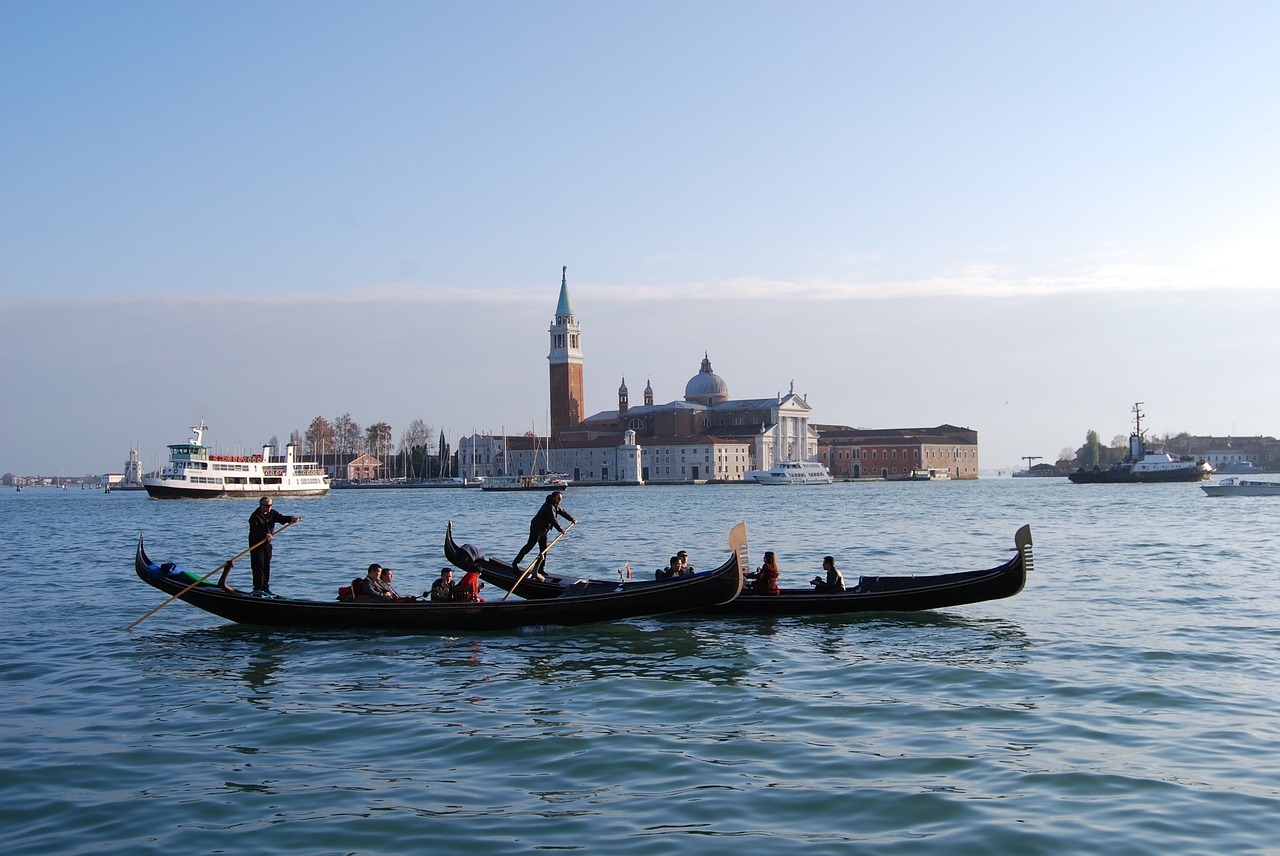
{"type": "Point", "coordinates": [1124, 702]}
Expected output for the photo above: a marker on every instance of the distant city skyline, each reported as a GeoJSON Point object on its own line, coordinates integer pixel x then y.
{"type": "Point", "coordinates": [1000, 216]}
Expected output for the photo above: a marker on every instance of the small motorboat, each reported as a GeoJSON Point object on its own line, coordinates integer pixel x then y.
{"type": "Point", "coordinates": [1242, 487]}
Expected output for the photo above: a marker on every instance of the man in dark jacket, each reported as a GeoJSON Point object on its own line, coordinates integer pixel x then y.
{"type": "Point", "coordinates": [442, 589]}
{"type": "Point", "coordinates": [262, 527]}
{"type": "Point", "coordinates": [541, 524]}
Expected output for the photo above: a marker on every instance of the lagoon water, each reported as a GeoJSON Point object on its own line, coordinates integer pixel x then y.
{"type": "Point", "coordinates": [1125, 702]}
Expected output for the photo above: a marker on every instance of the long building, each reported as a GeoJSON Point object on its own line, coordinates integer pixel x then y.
{"type": "Point", "coordinates": [890, 453]}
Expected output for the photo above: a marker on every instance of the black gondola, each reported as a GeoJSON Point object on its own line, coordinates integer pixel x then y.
{"type": "Point", "coordinates": [871, 594]}
{"type": "Point", "coordinates": [575, 606]}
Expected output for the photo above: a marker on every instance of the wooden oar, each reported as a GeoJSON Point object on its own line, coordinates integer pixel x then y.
{"type": "Point", "coordinates": [225, 566]}
{"type": "Point", "coordinates": [532, 564]}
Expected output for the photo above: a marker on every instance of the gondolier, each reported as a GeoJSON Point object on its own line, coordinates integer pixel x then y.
{"type": "Point", "coordinates": [540, 525]}
{"type": "Point", "coordinates": [262, 527]}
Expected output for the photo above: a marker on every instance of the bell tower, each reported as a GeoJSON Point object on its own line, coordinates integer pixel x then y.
{"type": "Point", "coordinates": [565, 358]}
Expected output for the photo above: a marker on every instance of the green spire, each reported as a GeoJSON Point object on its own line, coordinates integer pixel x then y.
{"type": "Point", "coordinates": [564, 307]}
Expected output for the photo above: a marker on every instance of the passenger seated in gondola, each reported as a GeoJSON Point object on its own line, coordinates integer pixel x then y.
{"type": "Point", "coordinates": [833, 583]}
{"type": "Point", "coordinates": [468, 588]}
{"type": "Point", "coordinates": [387, 576]}
{"type": "Point", "coordinates": [671, 570]}
{"type": "Point", "coordinates": [766, 576]}
{"type": "Point", "coordinates": [370, 588]}
{"type": "Point", "coordinates": [443, 588]}
{"type": "Point", "coordinates": [685, 568]}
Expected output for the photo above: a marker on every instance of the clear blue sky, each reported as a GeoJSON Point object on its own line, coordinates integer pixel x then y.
{"type": "Point", "coordinates": [1018, 217]}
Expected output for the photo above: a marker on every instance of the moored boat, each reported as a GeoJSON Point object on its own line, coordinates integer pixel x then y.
{"type": "Point", "coordinates": [1145, 462]}
{"type": "Point", "coordinates": [1239, 468]}
{"type": "Point", "coordinates": [872, 593]}
{"type": "Point", "coordinates": [793, 472]}
{"type": "Point", "coordinates": [546, 481]}
{"type": "Point", "coordinates": [1242, 487]}
{"type": "Point", "coordinates": [194, 472]}
{"type": "Point", "coordinates": [583, 605]}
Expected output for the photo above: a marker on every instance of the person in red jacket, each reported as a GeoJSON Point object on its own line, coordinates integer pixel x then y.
{"type": "Point", "coordinates": [468, 588]}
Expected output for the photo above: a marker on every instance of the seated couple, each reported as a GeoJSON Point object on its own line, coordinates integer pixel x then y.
{"type": "Point", "coordinates": [375, 587]}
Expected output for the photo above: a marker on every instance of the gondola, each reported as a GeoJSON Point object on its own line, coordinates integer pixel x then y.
{"type": "Point", "coordinates": [537, 587]}
{"type": "Point", "coordinates": [584, 605]}
{"type": "Point", "coordinates": [870, 594]}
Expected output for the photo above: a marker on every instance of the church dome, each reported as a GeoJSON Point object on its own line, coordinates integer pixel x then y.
{"type": "Point", "coordinates": [706, 387]}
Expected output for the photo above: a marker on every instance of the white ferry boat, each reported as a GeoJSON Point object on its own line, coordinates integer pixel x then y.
{"type": "Point", "coordinates": [193, 472]}
{"type": "Point", "coordinates": [793, 472]}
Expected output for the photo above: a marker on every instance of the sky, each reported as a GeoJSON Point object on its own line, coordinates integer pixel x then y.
{"type": "Point", "coordinates": [1015, 217]}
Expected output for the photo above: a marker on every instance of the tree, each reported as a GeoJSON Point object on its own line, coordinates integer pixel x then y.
{"type": "Point", "coordinates": [346, 434]}
{"type": "Point", "coordinates": [417, 434]}
{"type": "Point", "coordinates": [378, 441]}
{"type": "Point", "coordinates": [1090, 454]}
{"type": "Point", "coordinates": [413, 447]}
{"type": "Point", "coordinates": [443, 457]}
{"type": "Point", "coordinates": [319, 438]}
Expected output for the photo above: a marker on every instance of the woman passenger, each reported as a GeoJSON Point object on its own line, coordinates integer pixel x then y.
{"type": "Point", "coordinates": [766, 576]}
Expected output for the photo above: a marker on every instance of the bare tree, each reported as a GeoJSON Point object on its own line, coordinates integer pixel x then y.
{"type": "Point", "coordinates": [413, 444]}
{"type": "Point", "coordinates": [417, 434]}
{"type": "Point", "coordinates": [346, 434]}
{"type": "Point", "coordinates": [319, 438]}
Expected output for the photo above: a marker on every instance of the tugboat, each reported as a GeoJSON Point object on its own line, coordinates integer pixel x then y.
{"type": "Point", "coordinates": [195, 473]}
{"type": "Point", "coordinates": [1145, 462]}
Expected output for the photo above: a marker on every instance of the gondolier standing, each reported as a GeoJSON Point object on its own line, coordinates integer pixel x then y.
{"type": "Point", "coordinates": [262, 526]}
{"type": "Point", "coordinates": [541, 524]}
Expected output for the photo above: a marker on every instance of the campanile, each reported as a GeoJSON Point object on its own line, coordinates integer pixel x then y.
{"type": "Point", "coordinates": [565, 358]}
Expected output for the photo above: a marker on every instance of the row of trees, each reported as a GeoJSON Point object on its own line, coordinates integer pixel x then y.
{"type": "Point", "coordinates": [342, 438]}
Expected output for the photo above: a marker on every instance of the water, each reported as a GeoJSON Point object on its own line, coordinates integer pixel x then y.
{"type": "Point", "coordinates": [1125, 701]}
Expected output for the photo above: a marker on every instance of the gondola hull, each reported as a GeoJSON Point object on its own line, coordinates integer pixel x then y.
{"type": "Point", "coordinates": [572, 608]}
{"type": "Point", "coordinates": [871, 594]}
